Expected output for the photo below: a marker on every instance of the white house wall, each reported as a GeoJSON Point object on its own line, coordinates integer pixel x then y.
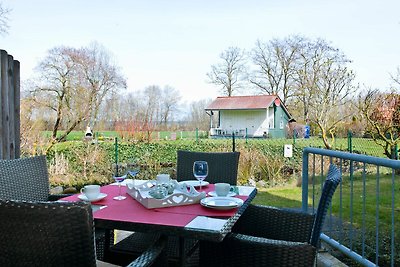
{"type": "Point", "coordinates": [237, 121]}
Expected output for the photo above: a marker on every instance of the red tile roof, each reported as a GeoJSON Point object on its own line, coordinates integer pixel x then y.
{"type": "Point", "coordinates": [242, 102]}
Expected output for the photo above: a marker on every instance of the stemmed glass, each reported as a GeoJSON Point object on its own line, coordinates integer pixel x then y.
{"type": "Point", "coordinates": [131, 173]}
{"type": "Point", "coordinates": [119, 175]}
{"type": "Point", "coordinates": [200, 170]}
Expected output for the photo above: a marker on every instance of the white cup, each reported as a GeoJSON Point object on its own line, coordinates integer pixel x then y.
{"type": "Point", "coordinates": [91, 191]}
{"type": "Point", "coordinates": [222, 189]}
{"type": "Point", "coordinates": [162, 178]}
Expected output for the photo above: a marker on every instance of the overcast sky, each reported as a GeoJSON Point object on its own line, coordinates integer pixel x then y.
{"type": "Point", "coordinates": [174, 42]}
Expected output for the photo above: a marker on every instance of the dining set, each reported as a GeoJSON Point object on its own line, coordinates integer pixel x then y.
{"type": "Point", "coordinates": [206, 221]}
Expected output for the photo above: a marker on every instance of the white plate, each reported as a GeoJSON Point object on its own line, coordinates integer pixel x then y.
{"type": "Point", "coordinates": [195, 183]}
{"type": "Point", "coordinates": [221, 203]}
{"type": "Point", "coordinates": [214, 194]}
{"type": "Point", "coordinates": [99, 197]}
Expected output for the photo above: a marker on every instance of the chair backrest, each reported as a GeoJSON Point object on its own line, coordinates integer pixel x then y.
{"type": "Point", "coordinates": [333, 179]}
{"type": "Point", "coordinates": [24, 179]}
{"type": "Point", "coordinates": [46, 234]}
{"type": "Point", "coordinates": [222, 166]}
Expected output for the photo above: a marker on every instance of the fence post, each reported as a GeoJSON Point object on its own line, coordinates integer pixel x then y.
{"type": "Point", "coordinates": [349, 141]}
{"type": "Point", "coordinates": [233, 141]}
{"type": "Point", "coordinates": [9, 107]}
{"type": "Point", "coordinates": [304, 182]}
{"type": "Point", "coordinates": [197, 134]}
{"type": "Point", "coordinates": [350, 149]}
{"type": "Point", "coordinates": [294, 136]}
{"type": "Point", "coordinates": [246, 135]}
{"type": "Point", "coordinates": [116, 155]}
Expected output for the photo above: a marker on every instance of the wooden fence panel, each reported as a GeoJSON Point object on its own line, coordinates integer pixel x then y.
{"type": "Point", "coordinates": [10, 106]}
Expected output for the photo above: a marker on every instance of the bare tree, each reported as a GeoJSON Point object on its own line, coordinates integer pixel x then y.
{"type": "Point", "coordinates": [72, 84]}
{"type": "Point", "coordinates": [197, 117]}
{"type": "Point", "coordinates": [396, 78]}
{"type": "Point", "coordinates": [230, 72]}
{"type": "Point", "coordinates": [151, 103]}
{"type": "Point", "coordinates": [311, 77]}
{"type": "Point", "coordinates": [169, 103]}
{"type": "Point", "coordinates": [54, 88]}
{"type": "Point", "coordinates": [4, 12]}
{"type": "Point", "coordinates": [382, 113]}
{"type": "Point", "coordinates": [276, 65]}
{"type": "Point", "coordinates": [99, 76]}
{"type": "Point", "coordinates": [325, 87]}
{"type": "Point", "coordinates": [148, 111]}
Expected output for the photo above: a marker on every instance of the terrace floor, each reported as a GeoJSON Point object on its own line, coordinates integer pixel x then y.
{"type": "Point", "coordinates": [324, 259]}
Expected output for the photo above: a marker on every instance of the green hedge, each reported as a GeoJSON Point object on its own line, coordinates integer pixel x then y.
{"type": "Point", "coordinates": [261, 159]}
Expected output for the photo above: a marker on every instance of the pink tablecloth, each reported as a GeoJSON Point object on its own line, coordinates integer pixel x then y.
{"type": "Point", "coordinates": [129, 210]}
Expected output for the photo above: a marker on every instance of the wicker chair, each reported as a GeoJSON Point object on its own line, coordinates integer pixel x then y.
{"type": "Point", "coordinates": [223, 167]}
{"type": "Point", "coordinates": [26, 179]}
{"type": "Point", "coordinates": [53, 234]}
{"type": "Point", "coordinates": [267, 236]}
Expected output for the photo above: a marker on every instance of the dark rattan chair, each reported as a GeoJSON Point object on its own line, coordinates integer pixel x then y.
{"type": "Point", "coordinates": [267, 236]}
{"type": "Point", "coordinates": [26, 179]}
{"type": "Point", "coordinates": [53, 234]}
{"type": "Point", "coordinates": [222, 166]}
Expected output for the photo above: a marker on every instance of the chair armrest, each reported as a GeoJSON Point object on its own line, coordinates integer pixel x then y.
{"type": "Point", "coordinates": [154, 253]}
{"type": "Point", "coordinates": [244, 250]}
{"type": "Point", "coordinates": [275, 223]}
{"type": "Point", "coordinates": [55, 197]}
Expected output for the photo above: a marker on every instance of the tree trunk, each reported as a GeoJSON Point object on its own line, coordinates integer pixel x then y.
{"type": "Point", "coordinates": [325, 137]}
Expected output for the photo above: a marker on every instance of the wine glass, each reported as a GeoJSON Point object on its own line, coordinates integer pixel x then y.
{"type": "Point", "coordinates": [200, 170]}
{"type": "Point", "coordinates": [132, 171]}
{"type": "Point", "coordinates": [119, 175]}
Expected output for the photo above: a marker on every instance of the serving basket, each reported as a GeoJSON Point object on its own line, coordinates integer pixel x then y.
{"type": "Point", "coordinates": [182, 194]}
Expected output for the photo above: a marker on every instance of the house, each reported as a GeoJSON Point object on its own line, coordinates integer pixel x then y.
{"type": "Point", "coordinates": [251, 116]}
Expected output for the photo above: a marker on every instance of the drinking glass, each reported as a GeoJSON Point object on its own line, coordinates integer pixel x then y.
{"type": "Point", "coordinates": [132, 171]}
{"type": "Point", "coordinates": [200, 170]}
{"type": "Point", "coordinates": [119, 175]}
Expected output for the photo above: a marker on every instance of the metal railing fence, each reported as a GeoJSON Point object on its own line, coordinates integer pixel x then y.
{"type": "Point", "coordinates": [351, 142]}
{"type": "Point", "coordinates": [362, 218]}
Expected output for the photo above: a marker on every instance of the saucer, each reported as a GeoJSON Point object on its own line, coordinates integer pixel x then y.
{"type": "Point", "coordinates": [98, 198]}
{"type": "Point", "coordinates": [221, 203]}
{"type": "Point", "coordinates": [214, 194]}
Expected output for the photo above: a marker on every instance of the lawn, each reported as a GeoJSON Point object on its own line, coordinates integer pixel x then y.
{"type": "Point", "coordinates": [290, 197]}
{"type": "Point", "coordinates": [358, 220]}
{"type": "Point", "coordinates": [285, 197]}
{"type": "Point", "coordinates": [162, 135]}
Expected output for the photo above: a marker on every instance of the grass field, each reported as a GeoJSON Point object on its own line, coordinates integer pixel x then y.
{"type": "Point", "coordinates": [361, 217]}
{"type": "Point", "coordinates": [290, 197]}
{"type": "Point", "coordinates": [159, 135]}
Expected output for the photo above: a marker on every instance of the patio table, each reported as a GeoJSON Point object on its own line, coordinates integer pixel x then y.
{"type": "Point", "coordinates": [190, 221]}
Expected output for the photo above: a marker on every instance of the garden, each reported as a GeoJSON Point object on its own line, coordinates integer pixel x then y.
{"type": "Point", "coordinates": [73, 164]}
